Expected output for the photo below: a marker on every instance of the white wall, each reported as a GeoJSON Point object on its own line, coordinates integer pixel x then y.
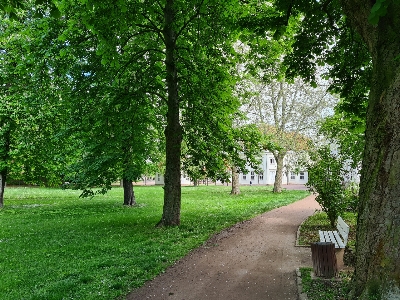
{"type": "Point", "coordinates": [160, 180]}
{"type": "Point", "coordinates": [267, 176]}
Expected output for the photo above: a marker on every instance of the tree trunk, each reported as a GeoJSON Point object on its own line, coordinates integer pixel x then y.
{"type": "Point", "coordinates": [129, 194]}
{"type": "Point", "coordinates": [279, 171]}
{"type": "Point", "coordinates": [173, 130]}
{"type": "Point", "coordinates": [235, 182]}
{"type": "Point", "coordinates": [5, 157]}
{"type": "Point", "coordinates": [3, 177]}
{"type": "Point", "coordinates": [377, 270]}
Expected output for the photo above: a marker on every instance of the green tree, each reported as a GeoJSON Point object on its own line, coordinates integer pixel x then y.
{"type": "Point", "coordinates": [360, 40]}
{"type": "Point", "coordinates": [29, 102]}
{"type": "Point", "coordinates": [288, 113]}
{"type": "Point", "coordinates": [184, 36]}
{"type": "Point", "coordinates": [112, 117]}
{"type": "Point", "coordinates": [250, 142]}
{"type": "Point", "coordinates": [347, 131]}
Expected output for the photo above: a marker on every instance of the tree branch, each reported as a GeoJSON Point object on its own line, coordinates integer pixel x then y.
{"type": "Point", "coordinates": [133, 58]}
{"type": "Point", "coordinates": [154, 27]}
{"type": "Point", "coordinates": [190, 19]}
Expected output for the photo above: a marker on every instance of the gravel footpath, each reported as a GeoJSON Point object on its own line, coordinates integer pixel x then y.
{"type": "Point", "coordinates": [252, 260]}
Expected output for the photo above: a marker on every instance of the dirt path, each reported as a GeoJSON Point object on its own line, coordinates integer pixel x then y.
{"type": "Point", "coordinates": [252, 260]}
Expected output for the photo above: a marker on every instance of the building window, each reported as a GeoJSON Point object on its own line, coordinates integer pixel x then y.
{"type": "Point", "coordinates": [244, 177]}
{"type": "Point", "coordinates": [301, 175]}
{"type": "Point", "coordinates": [292, 175]}
{"type": "Point", "coordinates": [261, 176]}
{"type": "Point", "coordinates": [252, 175]}
{"type": "Point", "coordinates": [272, 161]}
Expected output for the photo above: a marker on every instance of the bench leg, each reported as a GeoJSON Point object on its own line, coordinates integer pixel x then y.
{"type": "Point", "coordinates": [339, 258]}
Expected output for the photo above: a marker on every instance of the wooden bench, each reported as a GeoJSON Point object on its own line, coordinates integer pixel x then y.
{"type": "Point", "coordinates": [339, 237]}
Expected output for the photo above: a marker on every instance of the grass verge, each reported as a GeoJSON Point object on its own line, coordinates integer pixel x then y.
{"type": "Point", "coordinates": [319, 221]}
{"type": "Point", "coordinates": [322, 289]}
{"type": "Point", "coordinates": [55, 245]}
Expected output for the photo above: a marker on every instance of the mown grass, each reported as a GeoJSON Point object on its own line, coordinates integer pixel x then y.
{"type": "Point", "coordinates": [54, 245]}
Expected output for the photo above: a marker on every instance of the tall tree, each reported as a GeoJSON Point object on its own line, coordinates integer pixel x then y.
{"type": "Point", "coordinates": [361, 40]}
{"type": "Point", "coordinates": [29, 106]}
{"type": "Point", "coordinates": [288, 113]}
{"type": "Point", "coordinates": [170, 36]}
{"type": "Point", "coordinates": [112, 118]}
{"type": "Point", "coordinates": [377, 273]}
{"type": "Point", "coordinates": [287, 109]}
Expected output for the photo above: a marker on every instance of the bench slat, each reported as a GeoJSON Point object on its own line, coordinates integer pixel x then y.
{"type": "Point", "coordinates": [339, 238]}
{"type": "Point", "coordinates": [343, 229]}
{"type": "Point", "coordinates": [321, 236]}
{"type": "Point", "coordinates": [328, 237]}
{"type": "Point", "coordinates": [339, 244]}
{"type": "Point", "coordinates": [332, 238]}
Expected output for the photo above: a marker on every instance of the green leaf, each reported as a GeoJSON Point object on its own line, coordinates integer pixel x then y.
{"type": "Point", "coordinates": [63, 52]}
{"type": "Point", "coordinates": [280, 32]}
{"type": "Point", "coordinates": [55, 13]}
{"type": "Point", "coordinates": [378, 10]}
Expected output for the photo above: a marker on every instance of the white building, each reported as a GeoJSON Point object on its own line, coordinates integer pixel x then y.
{"type": "Point", "coordinates": [266, 176]}
{"type": "Point", "coordinates": [160, 180]}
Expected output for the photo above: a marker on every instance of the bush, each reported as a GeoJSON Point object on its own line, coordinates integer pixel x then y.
{"type": "Point", "coordinates": [325, 178]}
{"type": "Point", "coordinates": [351, 196]}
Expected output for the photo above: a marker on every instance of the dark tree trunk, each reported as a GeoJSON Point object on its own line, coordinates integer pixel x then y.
{"type": "Point", "coordinates": [5, 158]}
{"type": "Point", "coordinates": [129, 194]}
{"type": "Point", "coordinates": [377, 270]}
{"type": "Point", "coordinates": [235, 182]}
{"type": "Point", "coordinates": [3, 177]}
{"type": "Point", "coordinates": [279, 171]}
{"type": "Point", "coordinates": [173, 130]}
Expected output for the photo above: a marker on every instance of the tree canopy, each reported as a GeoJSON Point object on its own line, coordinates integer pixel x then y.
{"type": "Point", "coordinates": [29, 100]}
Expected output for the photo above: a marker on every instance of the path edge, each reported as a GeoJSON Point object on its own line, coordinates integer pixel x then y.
{"type": "Point", "coordinates": [301, 295]}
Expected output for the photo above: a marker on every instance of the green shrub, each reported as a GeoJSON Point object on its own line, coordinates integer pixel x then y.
{"type": "Point", "coordinates": [351, 196]}
{"type": "Point", "coordinates": [325, 178]}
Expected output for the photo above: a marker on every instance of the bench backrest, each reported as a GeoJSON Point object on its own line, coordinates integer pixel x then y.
{"type": "Point", "coordinates": [343, 229]}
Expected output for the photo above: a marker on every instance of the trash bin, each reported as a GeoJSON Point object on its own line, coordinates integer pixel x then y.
{"type": "Point", "coordinates": [324, 259]}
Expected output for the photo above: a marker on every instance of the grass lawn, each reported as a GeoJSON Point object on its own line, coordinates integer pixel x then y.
{"type": "Point", "coordinates": [54, 245]}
